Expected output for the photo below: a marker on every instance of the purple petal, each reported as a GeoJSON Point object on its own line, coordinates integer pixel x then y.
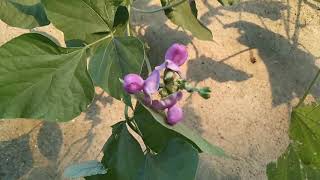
{"type": "Point", "coordinates": [167, 102]}
{"type": "Point", "coordinates": [177, 53]}
{"type": "Point", "coordinates": [152, 83]}
{"type": "Point", "coordinates": [161, 67]}
{"type": "Point", "coordinates": [133, 83]}
{"type": "Point", "coordinates": [174, 115]}
{"type": "Point", "coordinates": [171, 65]}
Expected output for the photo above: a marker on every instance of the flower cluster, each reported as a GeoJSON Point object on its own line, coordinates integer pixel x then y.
{"type": "Point", "coordinates": [169, 87]}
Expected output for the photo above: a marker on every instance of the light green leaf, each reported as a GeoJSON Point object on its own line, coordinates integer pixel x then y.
{"type": "Point", "coordinates": [87, 168]}
{"type": "Point", "coordinates": [228, 2]}
{"type": "Point", "coordinates": [113, 59]}
{"type": "Point", "coordinates": [302, 158]}
{"type": "Point", "coordinates": [122, 154]}
{"type": "Point", "coordinates": [178, 161]}
{"type": "Point", "coordinates": [152, 124]}
{"type": "Point", "coordinates": [86, 20]}
{"type": "Point", "coordinates": [41, 80]}
{"type": "Point", "coordinates": [184, 15]}
{"type": "Point", "coordinates": [26, 14]}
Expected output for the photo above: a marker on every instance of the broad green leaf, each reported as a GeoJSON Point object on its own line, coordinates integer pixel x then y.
{"type": "Point", "coordinates": [302, 158]}
{"type": "Point", "coordinates": [87, 168]}
{"type": "Point", "coordinates": [152, 124]}
{"type": "Point", "coordinates": [86, 20]}
{"type": "Point", "coordinates": [41, 80]}
{"type": "Point", "coordinates": [178, 161]}
{"type": "Point", "coordinates": [184, 15]}
{"type": "Point", "coordinates": [122, 154]}
{"type": "Point", "coordinates": [112, 60]}
{"type": "Point", "coordinates": [26, 14]}
{"type": "Point", "coordinates": [228, 2]}
{"type": "Point", "coordinates": [290, 167]}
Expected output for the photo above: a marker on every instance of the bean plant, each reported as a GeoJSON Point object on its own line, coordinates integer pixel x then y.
{"type": "Point", "coordinates": [40, 79]}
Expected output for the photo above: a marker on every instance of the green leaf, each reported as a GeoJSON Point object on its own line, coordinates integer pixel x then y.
{"type": "Point", "coordinates": [122, 154]}
{"type": "Point", "coordinates": [26, 14]}
{"type": "Point", "coordinates": [302, 158]}
{"type": "Point", "coordinates": [184, 15]}
{"type": "Point", "coordinates": [178, 161]}
{"type": "Point", "coordinates": [41, 80]}
{"type": "Point", "coordinates": [228, 2]}
{"type": "Point", "coordinates": [87, 168]}
{"type": "Point", "coordinates": [86, 20]}
{"type": "Point", "coordinates": [112, 60]}
{"type": "Point", "coordinates": [152, 124]}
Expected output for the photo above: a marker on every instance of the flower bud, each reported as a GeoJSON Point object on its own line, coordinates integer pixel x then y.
{"type": "Point", "coordinates": [152, 83]}
{"type": "Point", "coordinates": [133, 83]}
{"type": "Point", "coordinates": [204, 92]}
{"type": "Point", "coordinates": [174, 115]}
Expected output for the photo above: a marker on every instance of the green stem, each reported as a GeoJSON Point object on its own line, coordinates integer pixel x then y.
{"type": "Point", "coordinates": [159, 9]}
{"type": "Point", "coordinates": [148, 64]}
{"type": "Point", "coordinates": [308, 90]}
{"type": "Point", "coordinates": [128, 24]}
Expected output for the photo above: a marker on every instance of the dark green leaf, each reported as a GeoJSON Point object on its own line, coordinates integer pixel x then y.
{"type": "Point", "coordinates": [41, 80]}
{"type": "Point", "coordinates": [228, 2]}
{"type": "Point", "coordinates": [302, 158]}
{"type": "Point", "coordinates": [152, 124]}
{"type": "Point", "coordinates": [112, 60]}
{"type": "Point", "coordinates": [122, 154]}
{"type": "Point", "coordinates": [87, 168]}
{"type": "Point", "coordinates": [86, 20]}
{"type": "Point", "coordinates": [184, 15]}
{"type": "Point", "coordinates": [23, 13]}
{"type": "Point", "coordinates": [178, 161]}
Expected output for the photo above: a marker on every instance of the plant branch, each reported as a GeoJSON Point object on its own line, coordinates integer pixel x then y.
{"type": "Point", "coordinates": [159, 9]}
{"type": "Point", "coordinates": [309, 88]}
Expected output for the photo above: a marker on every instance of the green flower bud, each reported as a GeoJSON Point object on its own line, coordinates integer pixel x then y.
{"type": "Point", "coordinates": [204, 92]}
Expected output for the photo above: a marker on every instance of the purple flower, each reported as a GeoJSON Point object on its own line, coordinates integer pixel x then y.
{"type": "Point", "coordinates": [167, 102]}
{"type": "Point", "coordinates": [175, 56]}
{"type": "Point", "coordinates": [152, 83]}
{"type": "Point", "coordinates": [133, 83]}
{"type": "Point", "coordinates": [174, 115]}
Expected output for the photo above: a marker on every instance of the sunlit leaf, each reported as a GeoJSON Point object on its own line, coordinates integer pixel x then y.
{"type": "Point", "coordinates": [112, 60]}
{"type": "Point", "coordinates": [302, 158]}
{"type": "Point", "coordinates": [23, 13]}
{"type": "Point", "coordinates": [87, 168]}
{"type": "Point", "coordinates": [184, 15]}
{"type": "Point", "coordinates": [152, 124]}
{"type": "Point", "coordinates": [41, 80]}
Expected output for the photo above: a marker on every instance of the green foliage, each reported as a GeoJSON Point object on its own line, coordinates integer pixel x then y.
{"type": "Point", "coordinates": [23, 13]}
{"type": "Point", "coordinates": [153, 123]}
{"type": "Point", "coordinates": [185, 15]}
{"type": "Point", "coordinates": [113, 59]}
{"type": "Point", "coordinates": [87, 168]}
{"type": "Point", "coordinates": [228, 2]}
{"type": "Point", "coordinates": [41, 80]}
{"type": "Point", "coordinates": [302, 158]}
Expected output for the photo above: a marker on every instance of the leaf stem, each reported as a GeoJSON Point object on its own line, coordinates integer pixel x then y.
{"type": "Point", "coordinates": [159, 9]}
{"type": "Point", "coordinates": [309, 88]}
{"type": "Point", "coordinates": [128, 24]}
{"type": "Point", "coordinates": [148, 64]}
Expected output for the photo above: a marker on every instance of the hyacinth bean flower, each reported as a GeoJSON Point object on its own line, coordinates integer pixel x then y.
{"type": "Point", "coordinates": [167, 102]}
{"type": "Point", "coordinates": [133, 83]}
{"type": "Point", "coordinates": [174, 115]}
{"type": "Point", "coordinates": [152, 83]}
{"type": "Point", "coordinates": [175, 56]}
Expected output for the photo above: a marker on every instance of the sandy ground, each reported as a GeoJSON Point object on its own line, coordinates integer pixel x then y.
{"type": "Point", "coordinates": [263, 55]}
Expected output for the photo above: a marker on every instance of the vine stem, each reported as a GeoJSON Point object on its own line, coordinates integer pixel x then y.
{"type": "Point", "coordinates": [309, 88]}
{"type": "Point", "coordinates": [159, 9]}
{"type": "Point", "coordinates": [128, 24]}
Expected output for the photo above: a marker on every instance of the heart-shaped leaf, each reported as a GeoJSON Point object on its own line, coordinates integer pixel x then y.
{"type": "Point", "coordinates": [152, 124]}
{"type": "Point", "coordinates": [178, 161]}
{"type": "Point", "coordinates": [26, 14]}
{"type": "Point", "coordinates": [41, 80]}
{"type": "Point", "coordinates": [122, 154]}
{"type": "Point", "coordinates": [184, 15]}
{"type": "Point", "coordinates": [302, 158]}
{"type": "Point", "coordinates": [87, 168]}
{"type": "Point", "coordinates": [113, 59]}
{"type": "Point", "coordinates": [86, 20]}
